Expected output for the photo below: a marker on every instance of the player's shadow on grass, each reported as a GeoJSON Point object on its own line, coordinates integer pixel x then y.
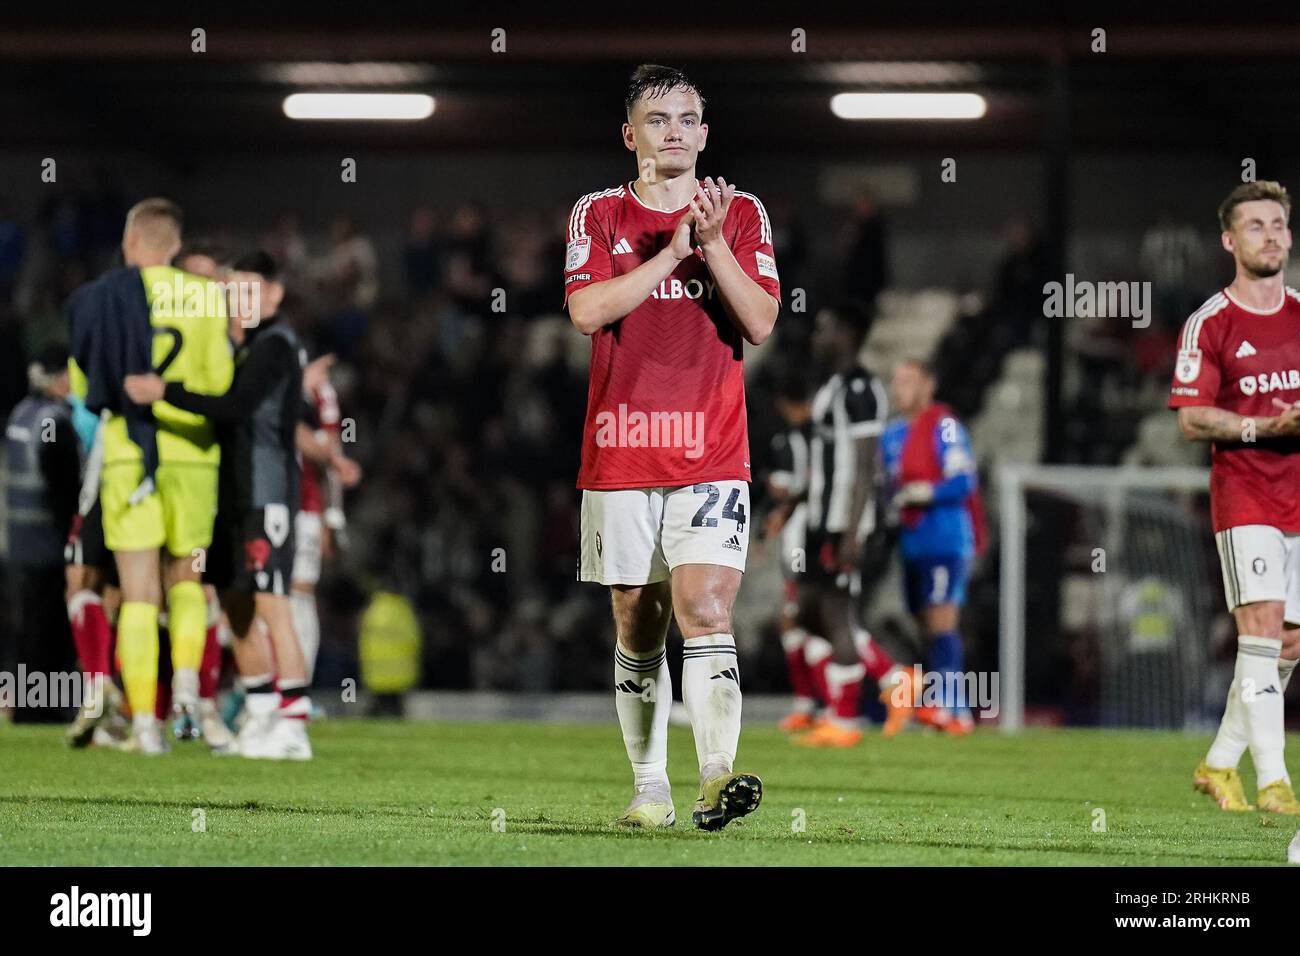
{"type": "Point", "coordinates": [617, 833]}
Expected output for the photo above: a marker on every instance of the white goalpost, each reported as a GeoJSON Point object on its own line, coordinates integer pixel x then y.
{"type": "Point", "coordinates": [1130, 553]}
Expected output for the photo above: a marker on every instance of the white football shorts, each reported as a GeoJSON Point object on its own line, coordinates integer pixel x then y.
{"type": "Point", "coordinates": [1261, 563]}
{"type": "Point", "coordinates": [307, 554]}
{"type": "Point", "coordinates": [639, 535]}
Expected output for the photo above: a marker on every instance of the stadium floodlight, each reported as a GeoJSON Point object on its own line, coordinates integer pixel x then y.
{"type": "Point", "coordinates": [358, 106]}
{"type": "Point", "coordinates": [908, 106]}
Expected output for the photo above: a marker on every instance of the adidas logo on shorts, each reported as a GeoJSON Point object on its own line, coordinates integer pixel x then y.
{"type": "Point", "coordinates": [733, 543]}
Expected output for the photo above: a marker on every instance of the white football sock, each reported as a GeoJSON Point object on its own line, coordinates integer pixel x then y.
{"type": "Point", "coordinates": [1285, 669]}
{"type": "Point", "coordinates": [306, 624]}
{"type": "Point", "coordinates": [262, 704]}
{"type": "Point", "coordinates": [839, 676]}
{"type": "Point", "coordinates": [1260, 689]}
{"type": "Point", "coordinates": [643, 697]}
{"type": "Point", "coordinates": [1234, 736]}
{"type": "Point", "coordinates": [816, 650]}
{"type": "Point", "coordinates": [711, 692]}
{"type": "Point", "coordinates": [185, 687]}
{"type": "Point", "coordinates": [1234, 733]}
{"type": "Point", "coordinates": [793, 639]}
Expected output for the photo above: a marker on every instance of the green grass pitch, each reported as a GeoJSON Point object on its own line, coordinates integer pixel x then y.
{"type": "Point", "coordinates": [386, 792]}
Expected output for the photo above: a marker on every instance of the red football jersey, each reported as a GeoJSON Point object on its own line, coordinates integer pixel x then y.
{"type": "Point", "coordinates": [326, 402]}
{"type": "Point", "coordinates": [1239, 359]}
{"type": "Point", "coordinates": [666, 396]}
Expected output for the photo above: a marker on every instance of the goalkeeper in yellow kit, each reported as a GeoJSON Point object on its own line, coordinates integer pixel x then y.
{"type": "Point", "coordinates": [174, 510]}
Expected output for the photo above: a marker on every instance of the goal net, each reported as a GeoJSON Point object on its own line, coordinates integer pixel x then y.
{"type": "Point", "coordinates": [1110, 600]}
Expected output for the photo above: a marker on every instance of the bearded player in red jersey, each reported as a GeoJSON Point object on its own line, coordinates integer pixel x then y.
{"type": "Point", "coordinates": [670, 276]}
{"type": "Point", "coordinates": [1236, 384]}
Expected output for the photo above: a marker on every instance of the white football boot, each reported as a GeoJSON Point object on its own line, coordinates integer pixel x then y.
{"type": "Point", "coordinates": [214, 730]}
{"type": "Point", "coordinates": [185, 705]}
{"type": "Point", "coordinates": [147, 736]}
{"type": "Point", "coordinates": [254, 738]}
{"type": "Point", "coordinates": [290, 731]}
{"type": "Point", "coordinates": [101, 700]}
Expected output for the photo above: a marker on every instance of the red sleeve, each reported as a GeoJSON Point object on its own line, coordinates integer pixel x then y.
{"type": "Point", "coordinates": [327, 407]}
{"type": "Point", "coordinates": [587, 257]}
{"type": "Point", "coordinates": [1196, 369]}
{"type": "Point", "coordinates": [753, 245]}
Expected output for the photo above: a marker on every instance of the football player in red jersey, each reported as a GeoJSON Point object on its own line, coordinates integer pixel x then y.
{"type": "Point", "coordinates": [670, 275]}
{"type": "Point", "coordinates": [325, 473]}
{"type": "Point", "coordinates": [1236, 384]}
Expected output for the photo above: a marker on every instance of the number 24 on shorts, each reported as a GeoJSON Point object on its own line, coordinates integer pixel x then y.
{"type": "Point", "coordinates": [730, 510]}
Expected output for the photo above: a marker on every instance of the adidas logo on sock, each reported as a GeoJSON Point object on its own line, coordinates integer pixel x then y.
{"type": "Point", "coordinates": [733, 543]}
{"type": "Point", "coordinates": [629, 687]}
{"type": "Point", "coordinates": [730, 673]}
{"type": "Point", "coordinates": [622, 246]}
{"type": "Point", "coordinates": [1245, 350]}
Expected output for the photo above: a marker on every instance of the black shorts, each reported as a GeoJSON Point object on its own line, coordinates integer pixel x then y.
{"type": "Point", "coordinates": [822, 567]}
{"type": "Point", "coordinates": [86, 544]}
{"type": "Point", "coordinates": [253, 555]}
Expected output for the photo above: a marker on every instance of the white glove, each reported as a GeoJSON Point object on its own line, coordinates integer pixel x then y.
{"type": "Point", "coordinates": [914, 494]}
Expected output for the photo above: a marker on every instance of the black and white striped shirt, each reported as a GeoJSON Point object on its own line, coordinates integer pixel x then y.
{"type": "Point", "coordinates": [849, 407]}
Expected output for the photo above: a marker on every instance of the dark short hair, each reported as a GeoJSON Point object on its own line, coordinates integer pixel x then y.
{"type": "Point", "coordinates": [656, 80]}
{"type": "Point", "coordinates": [52, 359]}
{"type": "Point", "coordinates": [794, 384]}
{"type": "Point", "coordinates": [259, 261]}
{"type": "Point", "coordinates": [852, 316]}
{"type": "Point", "coordinates": [1250, 192]}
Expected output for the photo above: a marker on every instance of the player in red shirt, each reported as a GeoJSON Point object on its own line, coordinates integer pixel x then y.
{"type": "Point", "coordinates": [325, 472]}
{"type": "Point", "coordinates": [670, 276]}
{"type": "Point", "coordinates": [1237, 384]}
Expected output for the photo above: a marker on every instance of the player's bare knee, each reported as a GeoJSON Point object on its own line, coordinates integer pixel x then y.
{"type": "Point", "coordinates": [80, 577]}
{"type": "Point", "coordinates": [184, 568]}
{"type": "Point", "coordinates": [839, 632]}
{"type": "Point", "coordinates": [142, 592]}
{"type": "Point", "coordinates": [940, 618]}
{"type": "Point", "coordinates": [702, 605]}
{"type": "Point", "coordinates": [1291, 641]}
{"type": "Point", "coordinates": [112, 598]}
{"type": "Point", "coordinates": [641, 615]}
{"type": "Point", "coordinates": [704, 614]}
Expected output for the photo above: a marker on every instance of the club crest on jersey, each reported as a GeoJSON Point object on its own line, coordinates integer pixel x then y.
{"type": "Point", "coordinates": [1188, 368]}
{"type": "Point", "coordinates": [578, 251]}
